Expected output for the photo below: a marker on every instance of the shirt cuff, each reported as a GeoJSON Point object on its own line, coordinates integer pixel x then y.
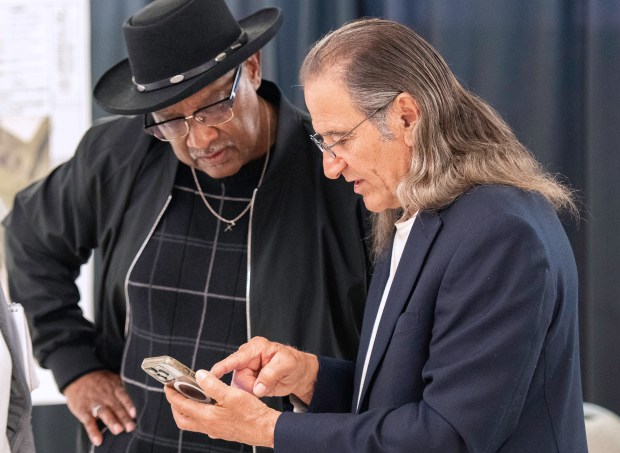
{"type": "Point", "coordinates": [299, 406]}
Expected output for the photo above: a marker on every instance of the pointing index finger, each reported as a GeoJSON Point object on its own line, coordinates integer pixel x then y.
{"type": "Point", "coordinates": [231, 363]}
{"type": "Point", "coordinates": [247, 357]}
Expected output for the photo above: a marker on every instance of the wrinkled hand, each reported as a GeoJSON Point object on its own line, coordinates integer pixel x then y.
{"type": "Point", "coordinates": [101, 389]}
{"type": "Point", "coordinates": [237, 416]}
{"type": "Point", "coordinates": [265, 368]}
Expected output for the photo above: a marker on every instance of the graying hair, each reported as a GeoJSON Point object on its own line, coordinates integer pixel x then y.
{"type": "Point", "coordinates": [459, 140]}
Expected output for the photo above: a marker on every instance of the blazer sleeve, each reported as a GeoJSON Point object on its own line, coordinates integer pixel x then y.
{"type": "Point", "coordinates": [493, 308]}
{"type": "Point", "coordinates": [334, 386]}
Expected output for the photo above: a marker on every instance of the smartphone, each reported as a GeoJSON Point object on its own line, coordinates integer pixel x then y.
{"type": "Point", "coordinates": [173, 373]}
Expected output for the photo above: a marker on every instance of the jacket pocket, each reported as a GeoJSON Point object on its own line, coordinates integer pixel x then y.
{"type": "Point", "coordinates": [408, 321]}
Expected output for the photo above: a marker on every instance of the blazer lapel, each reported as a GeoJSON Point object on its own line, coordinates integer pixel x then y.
{"type": "Point", "coordinates": [419, 242]}
{"type": "Point", "coordinates": [375, 292]}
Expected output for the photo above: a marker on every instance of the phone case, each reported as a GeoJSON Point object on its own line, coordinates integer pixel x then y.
{"type": "Point", "coordinates": [173, 373]}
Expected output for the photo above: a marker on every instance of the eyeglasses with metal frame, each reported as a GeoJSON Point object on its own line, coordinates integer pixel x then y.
{"type": "Point", "coordinates": [212, 115]}
{"type": "Point", "coordinates": [325, 148]}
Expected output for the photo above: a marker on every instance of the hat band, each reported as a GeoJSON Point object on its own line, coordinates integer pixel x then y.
{"type": "Point", "coordinates": [143, 87]}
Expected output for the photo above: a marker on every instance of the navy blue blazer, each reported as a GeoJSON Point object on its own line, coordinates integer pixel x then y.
{"type": "Point", "coordinates": [477, 349]}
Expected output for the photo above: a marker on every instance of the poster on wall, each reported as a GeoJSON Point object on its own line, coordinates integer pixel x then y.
{"type": "Point", "coordinates": [44, 87]}
{"type": "Point", "coordinates": [45, 103]}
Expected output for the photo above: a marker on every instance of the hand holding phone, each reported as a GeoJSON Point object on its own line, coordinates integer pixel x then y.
{"type": "Point", "coordinates": [173, 373]}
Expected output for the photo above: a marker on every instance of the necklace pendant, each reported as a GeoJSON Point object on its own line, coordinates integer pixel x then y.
{"type": "Point", "coordinates": [230, 226]}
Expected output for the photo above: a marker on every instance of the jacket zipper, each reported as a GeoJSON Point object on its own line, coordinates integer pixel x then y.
{"type": "Point", "coordinates": [249, 269]}
{"type": "Point", "coordinates": [133, 263]}
{"type": "Point", "coordinates": [249, 274]}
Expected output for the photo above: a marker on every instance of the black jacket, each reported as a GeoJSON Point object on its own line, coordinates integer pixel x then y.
{"type": "Point", "coordinates": [308, 264]}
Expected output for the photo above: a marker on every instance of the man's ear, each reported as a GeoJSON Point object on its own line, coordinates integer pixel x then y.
{"type": "Point", "coordinates": [252, 69]}
{"type": "Point", "coordinates": [408, 115]}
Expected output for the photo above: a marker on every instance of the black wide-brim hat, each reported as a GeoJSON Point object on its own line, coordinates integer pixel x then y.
{"type": "Point", "coordinates": [178, 47]}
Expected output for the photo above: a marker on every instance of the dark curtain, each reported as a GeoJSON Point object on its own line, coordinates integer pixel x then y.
{"type": "Point", "coordinates": [551, 68]}
{"type": "Point", "coordinates": [107, 46]}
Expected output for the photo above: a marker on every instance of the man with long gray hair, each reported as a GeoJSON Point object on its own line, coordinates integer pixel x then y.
{"type": "Point", "coordinates": [470, 334]}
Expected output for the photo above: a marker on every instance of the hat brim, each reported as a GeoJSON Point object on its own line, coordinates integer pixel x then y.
{"type": "Point", "coordinates": [116, 93]}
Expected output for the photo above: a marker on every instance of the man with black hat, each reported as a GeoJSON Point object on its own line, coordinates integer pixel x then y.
{"type": "Point", "coordinates": [215, 226]}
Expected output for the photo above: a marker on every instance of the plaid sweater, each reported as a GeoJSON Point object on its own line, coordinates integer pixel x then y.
{"type": "Point", "coordinates": [187, 300]}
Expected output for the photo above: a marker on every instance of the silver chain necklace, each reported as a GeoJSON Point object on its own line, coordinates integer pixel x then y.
{"type": "Point", "coordinates": [232, 222]}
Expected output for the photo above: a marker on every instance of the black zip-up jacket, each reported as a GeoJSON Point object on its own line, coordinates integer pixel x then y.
{"type": "Point", "coordinates": [308, 272]}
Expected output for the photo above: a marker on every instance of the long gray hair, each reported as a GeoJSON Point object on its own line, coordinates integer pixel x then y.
{"type": "Point", "coordinates": [459, 140]}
